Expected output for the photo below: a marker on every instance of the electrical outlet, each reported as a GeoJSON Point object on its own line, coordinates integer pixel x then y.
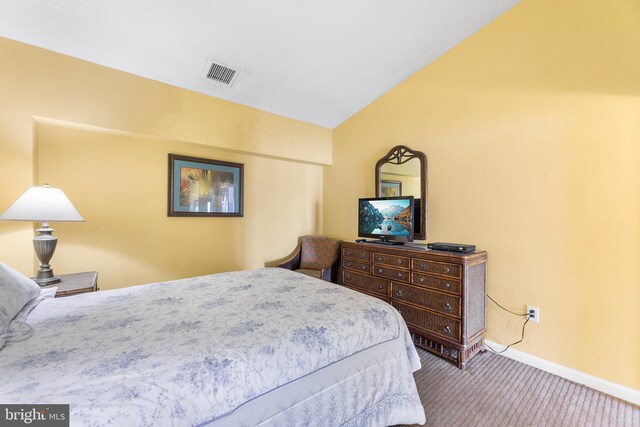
{"type": "Point", "coordinates": [534, 313]}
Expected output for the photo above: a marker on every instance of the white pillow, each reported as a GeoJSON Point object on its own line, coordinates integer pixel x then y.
{"type": "Point", "coordinates": [16, 290]}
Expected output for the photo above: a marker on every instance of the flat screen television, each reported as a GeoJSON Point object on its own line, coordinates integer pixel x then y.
{"type": "Point", "coordinates": [389, 219]}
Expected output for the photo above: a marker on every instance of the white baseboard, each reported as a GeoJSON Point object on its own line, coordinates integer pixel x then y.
{"type": "Point", "coordinates": [625, 393]}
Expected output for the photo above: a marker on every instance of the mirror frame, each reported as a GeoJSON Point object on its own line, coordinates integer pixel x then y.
{"type": "Point", "coordinates": [398, 155]}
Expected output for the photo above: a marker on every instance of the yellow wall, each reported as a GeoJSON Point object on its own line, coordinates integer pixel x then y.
{"type": "Point", "coordinates": [119, 184]}
{"type": "Point", "coordinates": [16, 175]}
{"type": "Point", "coordinates": [532, 132]}
{"type": "Point", "coordinates": [103, 137]}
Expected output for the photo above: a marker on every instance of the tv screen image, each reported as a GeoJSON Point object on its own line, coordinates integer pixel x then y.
{"type": "Point", "coordinates": [387, 218]}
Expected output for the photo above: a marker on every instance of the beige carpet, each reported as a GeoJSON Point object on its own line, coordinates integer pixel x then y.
{"type": "Point", "coordinates": [497, 391]}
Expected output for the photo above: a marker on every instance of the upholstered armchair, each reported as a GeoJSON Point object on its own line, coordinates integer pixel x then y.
{"type": "Point", "coordinates": [316, 256]}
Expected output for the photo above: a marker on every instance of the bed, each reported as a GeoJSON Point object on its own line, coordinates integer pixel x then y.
{"type": "Point", "coordinates": [260, 347]}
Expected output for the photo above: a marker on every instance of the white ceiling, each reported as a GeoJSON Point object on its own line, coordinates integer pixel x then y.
{"type": "Point", "coordinates": [315, 61]}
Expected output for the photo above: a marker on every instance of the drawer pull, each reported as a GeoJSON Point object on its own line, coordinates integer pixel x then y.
{"type": "Point", "coordinates": [347, 278]}
{"type": "Point", "coordinates": [399, 275]}
{"type": "Point", "coordinates": [447, 330]}
{"type": "Point", "coordinates": [401, 262]}
{"type": "Point", "coordinates": [380, 287]}
{"type": "Point", "coordinates": [349, 253]}
{"type": "Point", "coordinates": [447, 307]}
{"type": "Point", "coordinates": [380, 258]}
{"type": "Point", "coordinates": [447, 269]}
{"type": "Point", "coordinates": [348, 264]}
{"type": "Point", "coordinates": [447, 285]}
{"type": "Point", "coordinates": [364, 256]}
{"type": "Point", "coordinates": [422, 265]}
{"type": "Point", "coordinates": [421, 280]}
{"type": "Point", "coordinates": [399, 293]}
{"type": "Point", "coordinates": [379, 270]}
{"type": "Point", "coordinates": [364, 267]}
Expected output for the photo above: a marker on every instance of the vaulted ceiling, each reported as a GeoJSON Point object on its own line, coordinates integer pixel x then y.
{"type": "Point", "coordinates": [315, 61]}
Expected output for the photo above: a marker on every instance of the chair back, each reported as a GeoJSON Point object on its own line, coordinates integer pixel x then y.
{"type": "Point", "coordinates": [318, 252]}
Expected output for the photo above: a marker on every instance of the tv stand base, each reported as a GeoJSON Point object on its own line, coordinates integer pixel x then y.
{"type": "Point", "coordinates": [383, 242]}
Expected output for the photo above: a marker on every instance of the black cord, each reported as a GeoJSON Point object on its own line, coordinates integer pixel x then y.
{"type": "Point", "coordinates": [506, 309]}
{"type": "Point", "coordinates": [507, 347]}
{"type": "Point", "coordinates": [523, 325]}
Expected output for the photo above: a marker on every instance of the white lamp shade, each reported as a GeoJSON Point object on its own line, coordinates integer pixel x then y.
{"type": "Point", "coordinates": [42, 204]}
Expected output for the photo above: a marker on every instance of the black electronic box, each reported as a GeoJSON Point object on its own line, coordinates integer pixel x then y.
{"type": "Point", "coordinates": [451, 247]}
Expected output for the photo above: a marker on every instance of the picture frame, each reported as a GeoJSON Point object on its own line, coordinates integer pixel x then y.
{"type": "Point", "coordinates": [205, 187]}
{"type": "Point", "coordinates": [390, 188]}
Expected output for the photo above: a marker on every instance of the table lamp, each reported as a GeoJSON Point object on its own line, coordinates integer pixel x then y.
{"type": "Point", "coordinates": [43, 204]}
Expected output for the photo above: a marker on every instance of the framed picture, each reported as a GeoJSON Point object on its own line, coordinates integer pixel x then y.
{"type": "Point", "coordinates": [204, 187]}
{"type": "Point", "coordinates": [391, 188]}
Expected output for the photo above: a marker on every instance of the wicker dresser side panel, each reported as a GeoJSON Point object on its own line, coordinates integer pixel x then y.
{"type": "Point", "coordinates": [476, 298]}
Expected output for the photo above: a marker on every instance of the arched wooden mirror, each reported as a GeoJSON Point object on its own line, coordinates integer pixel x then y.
{"type": "Point", "coordinates": [403, 172]}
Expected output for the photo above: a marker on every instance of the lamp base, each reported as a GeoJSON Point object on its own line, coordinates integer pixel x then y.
{"type": "Point", "coordinates": [45, 245]}
{"type": "Point", "coordinates": [45, 276]}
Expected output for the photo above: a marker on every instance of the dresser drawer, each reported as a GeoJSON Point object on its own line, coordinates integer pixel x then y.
{"type": "Point", "coordinates": [438, 283]}
{"type": "Point", "coordinates": [350, 264]}
{"type": "Point", "coordinates": [441, 268]}
{"type": "Point", "coordinates": [428, 321]}
{"type": "Point", "coordinates": [443, 303]}
{"type": "Point", "coordinates": [356, 254]}
{"type": "Point", "coordinates": [391, 273]}
{"type": "Point", "coordinates": [393, 261]}
{"type": "Point", "coordinates": [362, 281]}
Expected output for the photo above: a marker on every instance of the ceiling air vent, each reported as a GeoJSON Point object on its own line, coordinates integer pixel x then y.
{"type": "Point", "coordinates": [218, 72]}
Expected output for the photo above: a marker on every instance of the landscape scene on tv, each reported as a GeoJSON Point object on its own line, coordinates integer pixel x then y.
{"type": "Point", "coordinates": [385, 217]}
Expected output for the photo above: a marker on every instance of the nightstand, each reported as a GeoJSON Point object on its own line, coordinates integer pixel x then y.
{"type": "Point", "coordinates": [76, 283]}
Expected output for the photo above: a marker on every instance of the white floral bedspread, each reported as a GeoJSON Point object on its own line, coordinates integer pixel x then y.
{"type": "Point", "coordinates": [189, 351]}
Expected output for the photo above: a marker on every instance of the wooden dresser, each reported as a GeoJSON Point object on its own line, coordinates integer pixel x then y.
{"type": "Point", "coordinates": [441, 295]}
